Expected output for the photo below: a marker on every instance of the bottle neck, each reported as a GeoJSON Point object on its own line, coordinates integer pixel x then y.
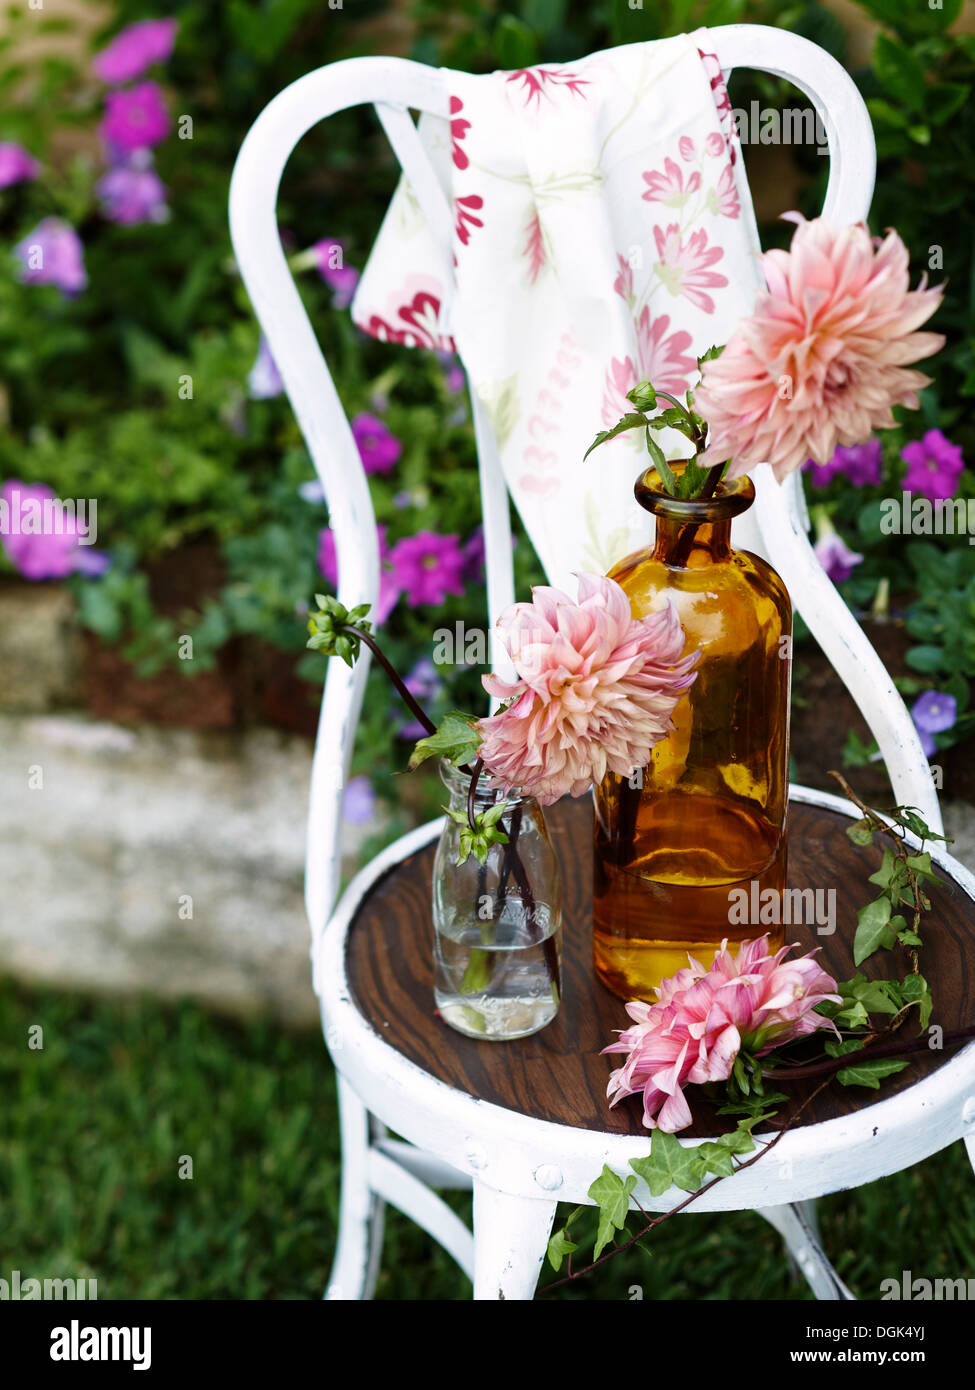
{"type": "Point", "coordinates": [684, 545]}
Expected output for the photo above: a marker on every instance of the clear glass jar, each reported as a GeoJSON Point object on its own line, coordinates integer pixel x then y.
{"type": "Point", "coordinates": [681, 842]}
{"type": "Point", "coordinates": [497, 925]}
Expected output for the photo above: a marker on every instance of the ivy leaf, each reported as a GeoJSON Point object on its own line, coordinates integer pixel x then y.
{"type": "Point", "coordinates": [669, 1164]}
{"type": "Point", "coordinates": [840, 1049]}
{"type": "Point", "coordinates": [915, 990]}
{"type": "Point", "coordinates": [870, 1073]}
{"type": "Point", "coordinates": [558, 1247]}
{"type": "Point", "coordinates": [612, 1196]}
{"type": "Point", "coordinates": [628, 422]}
{"type": "Point", "coordinates": [861, 832]}
{"type": "Point", "coordinates": [455, 739]}
{"type": "Point", "coordinates": [921, 864]}
{"type": "Point", "coordinates": [875, 996]}
{"type": "Point", "coordinates": [873, 930]}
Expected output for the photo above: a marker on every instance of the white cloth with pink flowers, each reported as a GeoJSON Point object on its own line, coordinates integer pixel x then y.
{"type": "Point", "coordinates": [604, 234]}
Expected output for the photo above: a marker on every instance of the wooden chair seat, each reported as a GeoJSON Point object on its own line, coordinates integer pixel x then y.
{"type": "Point", "coordinates": [558, 1074]}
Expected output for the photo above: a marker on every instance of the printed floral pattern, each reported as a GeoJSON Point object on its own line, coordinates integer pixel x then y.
{"type": "Point", "coordinates": [534, 252]}
{"type": "Point", "coordinates": [464, 210]}
{"type": "Point", "coordinates": [669, 187]}
{"type": "Point", "coordinates": [539, 83]}
{"type": "Point", "coordinates": [459, 127]}
{"type": "Point", "coordinates": [413, 323]}
{"type": "Point", "coordinates": [683, 265]}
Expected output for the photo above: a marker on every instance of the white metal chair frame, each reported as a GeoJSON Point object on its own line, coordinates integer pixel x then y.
{"type": "Point", "coordinates": [520, 1167]}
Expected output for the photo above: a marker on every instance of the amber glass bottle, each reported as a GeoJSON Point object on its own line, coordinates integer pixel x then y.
{"type": "Point", "coordinates": [681, 842]}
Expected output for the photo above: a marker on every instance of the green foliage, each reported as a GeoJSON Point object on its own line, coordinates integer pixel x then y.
{"type": "Point", "coordinates": [455, 739]}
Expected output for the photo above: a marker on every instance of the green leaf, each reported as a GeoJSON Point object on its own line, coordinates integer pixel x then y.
{"type": "Point", "coordinates": [870, 1073]}
{"type": "Point", "coordinates": [612, 1196]}
{"type": "Point", "coordinates": [709, 356]}
{"type": "Point", "coordinates": [661, 465]}
{"type": "Point", "coordinates": [873, 929]}
{"type": "Point", "coordinates": [669, 1164]}
{"type": "Point", "coordinates": [716, 1159]}
{"type": "Point", "coordinates": [455, 739]}
{"type": "Point", "coordinates": [861, 832]}
{"type": "Point", "coordinates": [927, 658]}
{"type": "Point", "coordinates": [628, 422]}
{"type": "Point", "coordinates": [915, 990]}
{"type": "Point", "coordinates": [899, 72]}
{"type": "Point", "coordinates": [559, 1246]}
{"type": "Point", "coordinates": [921, 864]}
{"type": "Point", "coordinates": [840, 1049]}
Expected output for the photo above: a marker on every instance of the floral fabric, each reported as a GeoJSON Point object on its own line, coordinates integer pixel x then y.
{"type": "Point", "coordinates": [603, 233]}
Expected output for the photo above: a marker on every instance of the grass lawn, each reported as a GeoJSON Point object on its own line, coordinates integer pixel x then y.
{"type": "Point", "coordinates": [94, 1126]}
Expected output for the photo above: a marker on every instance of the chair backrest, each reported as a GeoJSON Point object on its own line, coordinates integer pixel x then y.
{"type": "Point", "coordinates": [778, 520]}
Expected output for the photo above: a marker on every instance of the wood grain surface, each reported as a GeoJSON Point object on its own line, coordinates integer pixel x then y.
{"type": "Point", "coordinates": [559, 1074]}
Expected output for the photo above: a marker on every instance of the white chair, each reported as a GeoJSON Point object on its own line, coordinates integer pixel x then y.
{"type": "Point", "coordinates": [521, 1166]}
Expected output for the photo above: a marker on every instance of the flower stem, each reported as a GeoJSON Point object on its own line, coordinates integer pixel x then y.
{"type": "Point", "coordinates": [418, 713]}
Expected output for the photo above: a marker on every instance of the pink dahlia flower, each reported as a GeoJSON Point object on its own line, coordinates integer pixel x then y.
{"type": "Point", "coordinates": [595, 692]}
{"type": "Point", "coordinates": [825, 354]}
{"type": "Point", "coordinates": [703, 1018]}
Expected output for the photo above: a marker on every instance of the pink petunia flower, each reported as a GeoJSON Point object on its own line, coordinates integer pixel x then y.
{"type": "Point", "coordinates": [836, 557]}
{"type": "Point", "coordinates": [378, 447]}
{"type": "Point", "coordinates": [389, 588]}
{"type": "Point", "coordinates": [428, 567]}
{"type": "Point", "coordinates": [136, 118]}
{"type": "Point", "coordinates": [136, 48]}
{"type": "Point", "coordinates": [683, 265]}
{"type": "Point", "coordinates": [133, 192]}
{"type": "Point", "coordinates": [823, 357]}
{"type": "Point", "coordinates": [16, 165]}
{"type": "Point", "coordinates": [703, 1019]}
{"type": "Point", "coordinates": [668, 186]}
{"type": "Point", "coordinates": [934, 466]}
{"type": "Point", "coordinates": [40, 540]}
{"type": "Point", "coordinates": [341, 278]}
{"type": "Point", "coordinates": [862, 463]}
{"type": "Point", "coordinates": [595, 692]}
{"type": "Point", "coordinates": [52, 254]}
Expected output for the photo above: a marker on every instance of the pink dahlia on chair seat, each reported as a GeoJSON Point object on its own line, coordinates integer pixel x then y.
{"type": "Point", "coordinates": [703, 1018]}
{"type": "Point", "coordinates": [825, 354]}
{"type": "Point", "coordinates": [596, 689]}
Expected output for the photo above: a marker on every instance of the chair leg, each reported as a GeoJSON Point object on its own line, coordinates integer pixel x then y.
{"type": "Point", "coordinates": [796, 1224]}
{"type": "Point", "coordinates": [360, 1238]}
{"type": "Point", "coordinates": [510, 1239]}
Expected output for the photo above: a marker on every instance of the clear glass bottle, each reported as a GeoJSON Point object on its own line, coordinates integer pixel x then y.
{"type": "Point", "coordinates": [679, 842]}
{"type": "Point", "coordinates": [497, 925]}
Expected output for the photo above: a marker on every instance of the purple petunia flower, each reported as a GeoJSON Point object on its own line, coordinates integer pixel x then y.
{"type": "Point", "coordinates": [428, 567]}
{"type": "Point", "coordinates": [50, 553]}
{"type": "Point", "coordinates": [861, 463]}
{"type": "Point", "coordinates": [835, 556]}
{"type": "Point", "coordinates": [389, 587]}
{"type": "Point", "coordinates": [934, 466]}
{"type": "Point", "coordinates": [934, 713]}
{"type": "Point", "coordinates": [378, 448]}
{"type": "Point", "coordinates": [264, 380]}
{"type": "Point", "coordinates": [16, 165]}
{"type": "Point", "coordinates": [133, 192]}
{"type": "Point", "coordinates": [52, 254]}
{"type": "Point", "coordinates": [341, 278]}
{"type": "Point", "coordinates": [358, 801]}
{"type": "Point", "coordinates": [136, 48]}
{"type": "Point", "coordinates": [135, 118]}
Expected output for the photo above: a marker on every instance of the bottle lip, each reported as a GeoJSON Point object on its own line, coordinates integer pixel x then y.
{"type": "Point", "coordinates": [457, 781]}
{"type": "Point", "coordinates": [730, 498]}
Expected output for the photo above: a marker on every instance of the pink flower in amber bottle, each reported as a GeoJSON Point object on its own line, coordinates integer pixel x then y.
{"type": "Point", "coordinates": [683, 265]}
{"type": "Point", "coordinates": [595, 692]}
{"type": "Point", "coordinates": [823, 357]}
{"type": "Point", "coordinates": [703, 1019]}
{"type": "Point", "coordinates": [136, 48]}
{"type": "Point", "coordinates": [135, 117]}
{"type": "Point", "coordinates": [934, 466]}
{"type": "Point", "coordinates": [668, 186]}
